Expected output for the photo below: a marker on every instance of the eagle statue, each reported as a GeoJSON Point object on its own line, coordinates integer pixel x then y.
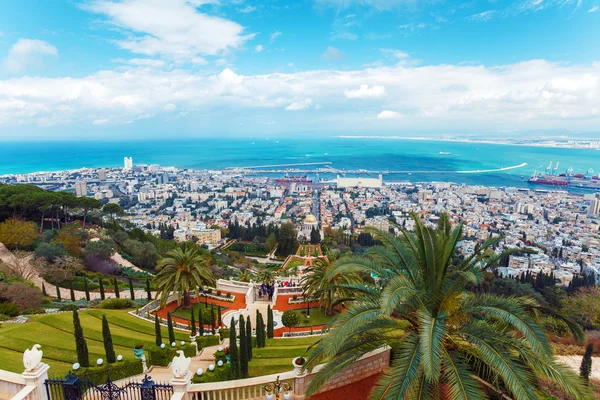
{"type": "Point", "coordinates": [180, 365]}
{"type": "Point", "coordinates": [32, 358]}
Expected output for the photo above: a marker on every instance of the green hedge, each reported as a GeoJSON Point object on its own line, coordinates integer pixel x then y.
{"type": "Point", "coordinates": [162, 357]}
{"type": "Point", "coordinates": [207, 341]}
{"type": "Point", "coordinates": [220, 374]}
{"type": "Point", "coordinates": [224, 332]}
{"type": "Point", "coordinates": [116, 371]}
{"type": "Point", "coordinates": [116, 304]}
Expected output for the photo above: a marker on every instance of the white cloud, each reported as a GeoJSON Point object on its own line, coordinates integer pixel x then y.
{"type": "Point", "coordinates": [142, 62]}
{"type": "Point", "coordinates": [482, 16]}
{"type": "Point", "coordinates": [170, 107]}
{"type": "Point", "coordinates": [299, 105]}
{"type": "Point", "coordinates": [100, 121]}
{"type": "Point", "coordinates": [380, 5]}
{"type": "Point", "coordinates": [593, 9]}
{"type": "Point", "coordinates": [333, 54]}
{"type": "Point", "coordinates": [247, 9]}
{"type": "Point", "coordinates": [366, 92]}
{"type": "Point", "coordinates": [27, 53]}
{"type": "Point", "coordinates": [259, 48]}
{"type": "Point", "coordinates": [399, 54]}
{"type": "Point", "coordinates": [173, 29]}
{"type": "Point", "coordinates": [344, 35]}
{"type": "Point", "coordinates": [387, 114]}
{"type": "Point", "coordinates": [274, 36]}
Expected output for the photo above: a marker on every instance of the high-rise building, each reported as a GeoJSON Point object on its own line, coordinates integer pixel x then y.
{"type": "Point", "coordinates": [127, 163]}
{"type": "Point", "coordinates": [102, 174]}
{"type": "Point", "coordinates": [594, 207]}
{"type": "Point", "coordinates": [162, 179]}
{"type": "Point", "coordinates": [80, 189]}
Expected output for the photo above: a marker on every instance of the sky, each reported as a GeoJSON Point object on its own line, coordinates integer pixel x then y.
{"type": "Point", "coordinates": [82, 69]}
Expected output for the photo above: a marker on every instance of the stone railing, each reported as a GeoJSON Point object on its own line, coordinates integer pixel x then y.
{"type": "Point", "coordinates": [27, 386]}
{"type": "Point", "coordinates": [11, 383]}
{"type": "Point", "coordinates": [241, 389]}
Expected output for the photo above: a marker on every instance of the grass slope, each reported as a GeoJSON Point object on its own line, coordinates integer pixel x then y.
{"type": "Point", "coordinates": [278, 355]}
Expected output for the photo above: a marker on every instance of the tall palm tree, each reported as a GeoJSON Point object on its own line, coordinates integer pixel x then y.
{"type": "Point", "coordinates": [181, 271]}
{"type": "Point", "coordinates": [448, 342]}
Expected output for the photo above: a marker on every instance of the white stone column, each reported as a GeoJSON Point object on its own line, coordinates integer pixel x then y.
{"type": "Point", "coordinates": [181, 386]}
{"type": "Point", "coordinates": [37, 378]}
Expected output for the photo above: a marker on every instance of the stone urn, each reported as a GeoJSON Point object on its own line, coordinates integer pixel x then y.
{"type": "Point", "coordinates": [299, 363]}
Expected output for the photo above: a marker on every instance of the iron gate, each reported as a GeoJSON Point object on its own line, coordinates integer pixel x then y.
{"type": "Point", "coordinates": [74, 388]}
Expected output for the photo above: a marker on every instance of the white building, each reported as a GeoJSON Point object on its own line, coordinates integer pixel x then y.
{"type": "Point", "coordinates": [127, 163]}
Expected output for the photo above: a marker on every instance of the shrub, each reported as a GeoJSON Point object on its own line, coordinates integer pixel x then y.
{"type": "Point", "coordinates": [23, 295]}
{"type": "Point", "coordinates": [116, 304]}
{"type": "Point", "coordinates": [228, 295]}
{"type": "Point", "coordinates": [294, 297]}
{"type": "Point", "coordinates": [69, 307]}
{"type": "Point", "coordinates": [220, 374]}
{"type": "Point", "coordinates": [116, 371]}
{"type": "Point", "coordinates": [224, 333]}
{"type": "Point", "coordinates": [220, 356]}
{"type": "Point", "coordinates": [4, 317]}
{"type": "Point", "coordinates": [218, 292]}
{"type": "Point", "coordinates": [34, 311]}
{"type": "Point", "coordinates": [162, 357]}
{"type": "Point", "coordinates": [9, 309]}
{"type": "Point", "coordinates": [207, 341]}
{"type": "Point", "coordinates": [209, 290]}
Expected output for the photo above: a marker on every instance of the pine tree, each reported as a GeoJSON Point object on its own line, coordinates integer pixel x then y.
{"type": "Point", "coordinates": [108, 343]}
{"type": "Point", "coordinates": [83, 357]}
{"type": "Point", "coordinates": [201, 322]}
{"type": "Point", "coordinates": [270, 330]}
{"type": "Point", "coordinates": [58, 294]}
{"type": "Point", "coordinates": [193, 323]}
{"type": "Point", "coordinates": [101, 284]}
{"type": "Point", "coordinates": [87, 289]}
{"type": "Point", "coordinates": [243, 349]}
{"type": "Point", "coordinates": [148, 291]}
{"type": "Point", "coordinates": [220, 320]}
{"type": "Point", "coordinates": [157, 333]}
{"type": "Point", "coordinates": [131, 292]}
{"type": "Point", "coordinates": [71, 292]}
{"type": "Point", "coordinates": [170, 328]}
{"type": "Point", "coordinates": [116, 285]}
{"type": "Point", "coordinates": [234, 360]}
{"type": "Point", "coordinates": [249, 338]}
{"type": "Point", "coordinates": [44, 290]}
{"type": "Point", "coordinates": [212, 318]}
{"type": "Point", "coordinates": [586, 363]}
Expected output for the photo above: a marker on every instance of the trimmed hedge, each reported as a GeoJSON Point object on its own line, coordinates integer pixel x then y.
{"type": "Point", "coordinates": [220, 374]}
{"type": "Point", "coordinates": [207, 341]}
{"type": "Point", "coordinates": [224, 333]}
{"type": "Point", "coordinates": [116, 304]}
{"type": "Point", "coordinates": [116, 371]}
{"type": "Point", "coordinates": [163, 357]}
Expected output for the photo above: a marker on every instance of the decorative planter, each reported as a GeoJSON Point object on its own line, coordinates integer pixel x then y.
{"type": "Point", "coordinates": [138, 352]}
{"type": "Point", "coordinates": [299, 370]}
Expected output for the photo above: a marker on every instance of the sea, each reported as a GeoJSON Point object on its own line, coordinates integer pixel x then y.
{"type": "Point", "coordinates": [404, 159]}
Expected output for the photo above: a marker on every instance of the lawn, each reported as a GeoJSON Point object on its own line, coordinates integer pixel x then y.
{"type": "Point", "coordinates": [186, 313]}
{"type": "Point", "coordinates": [277, 356]}
{"type": "Point", "coordinates": [294, 262]}
{"type": "Point", "coordinates": [54, 332]}
{"type": "Point", "coordinates": [317, 316]}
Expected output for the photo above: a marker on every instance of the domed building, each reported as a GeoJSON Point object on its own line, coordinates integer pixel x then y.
{"type": "Point", "coordinates": [310, 222]}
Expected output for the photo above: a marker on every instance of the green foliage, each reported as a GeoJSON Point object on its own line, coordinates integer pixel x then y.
{"type": "Point", "coordinates": [270, 323]}
{"type": "Point", "coordinates": [116, 371]}
{"type": "Point", "coordinates": [163, 357]}
{"type": "Point", "coordinates": [220, 356]}
{"type": "Point", "coordinates": [148, 291]}
{"type": "Point", "coordinates": [586, 363]}
{"type": "Point", "coordinates": [4, 317]}
{"type": "Point", "coordinates": [193, 323]}
{"type": "Point", "coordinates": [116, 286]}
{"type": "Point", "coordinates": [207, 341]}
{"type": "Point", "coordinates": [116, 304]}
{"type": "Point", "coordinates": [157, 332]}
{"type": "Point", "coordinates": [50, 251]}
{"type": "Point", "coordinates": [10, 309]}
{"type": "Point", "coordinates": [290, 319]}
{"type": "Point", "coordinates": [220, 374]}
{"type": "Point", "coordinates": [243, 348]}
{"type": "Point", "coordinates": [102, 249]}
{"type": "Point", "coordinates": [261, 333]}
{"type": "Point", "coordinates": [108, 343]}
{"type": "Point", "coordinates": [101, 287]}
{"type": "Point", "coordinates": [143, 254]}
{"type": "Point", "coordinates": [234, 359]}
{"type": "Point", "coordinates": [223, 333]}
{"type": "Point", "coordinates": [249, 342]}
{"type": "Point", "coordinates": [170, 328]}
{"type": "Point", "coordinates": [80, 343]}
{"type": "Point", "coordinates": [69, 307]}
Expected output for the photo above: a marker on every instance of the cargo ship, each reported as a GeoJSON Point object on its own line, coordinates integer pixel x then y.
{"type": "Point", "coordinates": [293, 179]}
{"type": "Point", "coordinates": [566, 179]}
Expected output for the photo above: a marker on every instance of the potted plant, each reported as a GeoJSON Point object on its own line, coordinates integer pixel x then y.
{"type": "Point", "coordinates": [138, 350]}
{"type": "Point", "coordinates": [298, 364]}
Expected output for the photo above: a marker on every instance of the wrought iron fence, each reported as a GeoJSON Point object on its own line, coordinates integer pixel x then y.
{"type": "Point", "coordinates": [74, 388]}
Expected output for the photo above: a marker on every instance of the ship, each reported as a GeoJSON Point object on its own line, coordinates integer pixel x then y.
{"type": "Point", "coordinates": [293, 179]}
{"type": "Point", "coordinates": [445, 153]}
{"type": "Point", "coordinates": [567, 179]}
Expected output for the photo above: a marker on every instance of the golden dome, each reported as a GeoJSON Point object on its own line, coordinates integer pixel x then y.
{"type": "Point", "coordinates": [310, 219]}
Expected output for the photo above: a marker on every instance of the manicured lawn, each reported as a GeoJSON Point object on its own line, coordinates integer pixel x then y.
{"type": "Point", "coordinates": [55, 334]}
{"type": "Point", "coordinates": [186, 313]}
{"type": "Point", "coordinates": [294, 262]}
{"type": "Point", "coordinates": [317, 316]}
{"type": "Point", "coordinates": [277, 356]}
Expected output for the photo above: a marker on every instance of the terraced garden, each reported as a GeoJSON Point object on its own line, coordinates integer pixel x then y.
{"type": "Point", "coordinates": [278, 355]}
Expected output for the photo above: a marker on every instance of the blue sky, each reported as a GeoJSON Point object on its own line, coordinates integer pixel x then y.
{"type": "Point", "coordinates": [149, 68]}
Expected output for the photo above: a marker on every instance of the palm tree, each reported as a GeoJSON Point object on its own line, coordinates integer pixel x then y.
{"type": "Point", "coordinates": [329, 289]}
{"type": "Point", "coordinates": [244, 276]}
{"type": "Point", "coordinates": [181, 271]}
{"type": "Point", "coordinates": [265, 276]}
{"type": "Point", "coordinates": [448, 342]}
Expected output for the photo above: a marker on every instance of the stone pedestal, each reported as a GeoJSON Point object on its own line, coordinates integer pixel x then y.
{"type": "Point", "coordinates": [182, 385]}
{"type": "Point", "coordinates": [37, 378]}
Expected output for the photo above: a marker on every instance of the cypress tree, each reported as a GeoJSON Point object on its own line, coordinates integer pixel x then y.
{"type": "Point", "coordinates": [234, 360]}
{"type": "Point", "coordinates": [131, 292]}
{"type": "Point", "coordinates": [170, 327]}
{"type": "Point", "coordinates": [249, 338]}
{"type": "Point", "coordinates": [270, 330]}
{"type": "Point", "coordinates": [108, 343]}
{"type": "Point", "coordinates": [220, 320]}
{"type": "Point", "coordinates": [116, 285]}
{"type": "Point", "coordinates": [72, 292]}
{"type": "Point", "coordinates": [193, 323]}
{"type": "Point", "coordinates": [148, 291]}
{"type": "Point", "coordinates": [157, 333]}
{"type": "Point", "coordinates": [101, 283]}
{"type": "Point", "coordinates": [58, 294]}
{"type": "Point", "coordinates": [243, 349]}
{"type": "Point", "coordinates": [87, 289]}
{"type": "Point", "coordinates": [259, 330]}
{"type": "Point", "coordinates": [201, 322]}
{"type": "Point", "coordinates": [83, 357]}
{"type": "Point", "coordinates": [44, 290]}
{"type": "Point", "coordinates": [586, 363]}
{"type": "Point", "coordinates": [212, 318]}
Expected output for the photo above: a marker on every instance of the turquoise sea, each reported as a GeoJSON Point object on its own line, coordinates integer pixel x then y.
{"type": "Point", "coordinates": [343, 153]}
